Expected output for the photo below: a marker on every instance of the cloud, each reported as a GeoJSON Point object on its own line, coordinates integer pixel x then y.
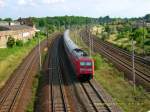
{"type": "Point", "coordinates": [32, 3]}
{"type": "Point", "coordinates": [53, 1]}
{"type": "Point", "coordinates": [22, 2]}
{"type": "Point", "coordinates": [38, 2]}
{"type": "Point", "coordinates": [27, 2]}
{"type": "Point", "coordinates": [2, 3]}
{"type": "Point", "coordinates": [94, 8]}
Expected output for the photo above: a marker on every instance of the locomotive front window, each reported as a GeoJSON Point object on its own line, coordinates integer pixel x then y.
{"type": "Point", "coordinates": [88, 64]}
{"type": "Point", "coordinates": [85, 63]}
{"type": "Point", "coordinates": [82, 63]}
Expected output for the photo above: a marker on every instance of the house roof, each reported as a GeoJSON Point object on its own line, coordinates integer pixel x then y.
{"type": "Point", "coordinates": [14, 27]}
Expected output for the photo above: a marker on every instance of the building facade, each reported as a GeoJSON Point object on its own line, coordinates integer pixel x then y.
{"type": "Point", "coordinates": [20, 32]}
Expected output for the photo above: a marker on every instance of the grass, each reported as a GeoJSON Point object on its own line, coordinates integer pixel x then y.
{"type": "Point", "coordinates": [125, 44]}
{"type": "Point", "coordinates": [117, 86]}
{"type": "Point", "coordinates": [120, 89]}
{"type": "Point", "coordinates": [10, 58]}
{"type": "Point", "coordinates": [36, 83]}
{"type": "Point", "coordinates": [30, 106]}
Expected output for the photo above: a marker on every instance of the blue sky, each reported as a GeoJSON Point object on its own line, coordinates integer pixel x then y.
{"type": "Point", "coordinates": [92, 8]}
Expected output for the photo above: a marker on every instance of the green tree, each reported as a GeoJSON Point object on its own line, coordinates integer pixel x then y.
{"type": "Point", "coordinates": [147, 17]}
{"type": "Point", "coordinates": [19, 43]}
{"type": "Point", "coordinates": [140, 34]}
{"type": "Point", "coordinates": [10, 42]}
{"type": "Point", "coordinates": [107, 28]}
{"type": "Point", "coordinates": [42, 22]}
{"type": "Point", "coordinates": [105, 35]}
{"type": "Point", "coordinates": [8, 19]}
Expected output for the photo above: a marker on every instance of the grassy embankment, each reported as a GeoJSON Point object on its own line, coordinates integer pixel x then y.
{"type": "Point", "coordinates": [38, 80]}
{"type": "Point", "coordinates": [114, 83]}
{"type": "Point", "coordinates": [36, 83]}
{"type": "Point", "coordinates": [10, 58]}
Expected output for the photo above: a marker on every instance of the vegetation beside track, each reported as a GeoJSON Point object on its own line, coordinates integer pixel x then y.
{"type": "Point", "coordinates": [120, 89]}
{"type": "Point", "coordinates": [30, 106]}
{"type": "Point", "coordinates": [10, 58]}
{"type": "Point", "coordinates": [38, 80]}
{"type": "Point", "coordinates": [116, 85]}
{"type": "Point", "coordinates": [121, 34]}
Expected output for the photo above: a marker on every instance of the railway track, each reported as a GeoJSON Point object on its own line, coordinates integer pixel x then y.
{"type": "Point", "coordinates": [62, 92]}
{"type": "Point", "coordinates": [123, 61]}
{"type": "Point", "coordinates": [140, 67]}
{"type": "Point", "coordinates": [95, 100]}
{"type": "Point", "coordinates": [75, 97]}
{"type": "Point", "coordinates": [88, 97]}
{"type": "Point", "coordinates": [13, 91]}
{"type": "Point", "coordinates": [57, 98]}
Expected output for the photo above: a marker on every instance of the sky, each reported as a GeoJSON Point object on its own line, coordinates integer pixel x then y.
{"type": "Point", "coordinates": [90, 8]}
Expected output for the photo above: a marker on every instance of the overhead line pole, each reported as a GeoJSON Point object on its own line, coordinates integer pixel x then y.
{"type": "Point", "coordinates": [133, 58]}
{"type": "Point", "coordinates": [143, 38]}
{"type": "Point", "coordinates": [47, 36]}
{"type": "Point", "coordinates": [40, 63]}
{"type": "Point", "coordinates": [92, 39]}
{"type": "Point", "coordinates": [133, 66]}
{"type": "Point", "coordinates": [89, 42]}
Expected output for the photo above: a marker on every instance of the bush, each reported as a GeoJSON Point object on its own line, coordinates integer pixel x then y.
{"type": "Point", "coordinates": [147, 50]}
{"type": "Point", "coordinates": [19, 43]}
{"type": "Point", "coordinates": [39, 35]}
{"type": "Point", "coordinates": [10, 42]}
{"type": "Point", "coordinates": [36, 35]}
{"type": "Point", "coordinates": [147, 42]}
{"type": "Point", "coordinates": [42, 33]}
{"type": "Point", "coordinates": [105, 36]}
{"type": "Point", "coordinates": [97, 61]}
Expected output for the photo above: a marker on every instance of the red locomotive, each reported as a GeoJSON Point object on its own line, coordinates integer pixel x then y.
{"type": "Point", "coordinates": [82, 64]}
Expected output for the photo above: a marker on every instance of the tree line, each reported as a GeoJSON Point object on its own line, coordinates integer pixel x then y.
{"type": "Point", "coordinates": [122, 27]}
{"type": "Point", "coordinates": [79, 20]}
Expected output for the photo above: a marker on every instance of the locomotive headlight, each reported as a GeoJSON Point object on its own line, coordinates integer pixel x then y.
{"type": "Point", "coordinates": [82, 69]}
{"type": "Point", "coordinates": [89, 69]}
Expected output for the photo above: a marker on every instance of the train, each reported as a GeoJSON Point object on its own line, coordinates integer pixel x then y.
{"type": "Point", "coordinates": [82, 64]}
